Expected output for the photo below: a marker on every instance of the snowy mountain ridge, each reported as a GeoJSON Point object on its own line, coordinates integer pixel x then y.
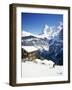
{"type": "Point", "coordinates": [48, 32]}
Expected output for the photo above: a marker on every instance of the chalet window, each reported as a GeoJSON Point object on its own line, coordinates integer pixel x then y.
{"type": "Point", "coordinates": [25, 53]}
{"type": "Point", "coordinates": [30, 54]}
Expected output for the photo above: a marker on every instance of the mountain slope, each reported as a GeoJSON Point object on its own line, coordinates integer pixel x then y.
{"type": "Point", "coordinates": [49, 43]}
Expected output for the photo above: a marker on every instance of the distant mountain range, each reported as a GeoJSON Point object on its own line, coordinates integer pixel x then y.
{"type": "Point", "coordinates": [48, 32]}
{"type": "Point", "coordinates": [49, 42]}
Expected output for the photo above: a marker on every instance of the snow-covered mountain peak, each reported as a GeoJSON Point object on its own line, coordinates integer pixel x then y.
{"type": "Point", "coordinates": [24, 33]}
{"type": "Point", "coordinates": [60, 26]}
{"type": "Point", "coordinates": [46, 29]}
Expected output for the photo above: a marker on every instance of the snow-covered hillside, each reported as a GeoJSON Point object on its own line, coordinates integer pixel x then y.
{"type": "Point", "coordinates": [31, 69]}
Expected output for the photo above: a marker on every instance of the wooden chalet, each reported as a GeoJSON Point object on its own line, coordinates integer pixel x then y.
{"type": "Point", "coordinates": [29, 53]}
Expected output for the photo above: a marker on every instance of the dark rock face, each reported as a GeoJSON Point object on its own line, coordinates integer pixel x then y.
{"type": "Point", "coordinates": [55, 52]}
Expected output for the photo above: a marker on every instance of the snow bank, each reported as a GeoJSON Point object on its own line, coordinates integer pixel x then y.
{"type": "Point", "coordinates": [49, 63]}
{"type": "Point", "coordinates": [31, 69]}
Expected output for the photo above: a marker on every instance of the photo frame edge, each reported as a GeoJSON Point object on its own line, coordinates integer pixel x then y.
{"type": "Point", "coordinates": [12, 70]}
{"type": "Point", "coordinates": [12, 48]}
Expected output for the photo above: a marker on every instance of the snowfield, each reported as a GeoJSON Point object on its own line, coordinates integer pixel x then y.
{"type": "Point", "coordinates": [40, 69]}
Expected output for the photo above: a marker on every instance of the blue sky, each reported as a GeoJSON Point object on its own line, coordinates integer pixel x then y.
{"type": "Point", "coordinates": [34, 23]}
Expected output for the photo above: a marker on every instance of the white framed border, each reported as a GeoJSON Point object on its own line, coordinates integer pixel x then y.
{"type": "Point", "coordinates": [19, 10]}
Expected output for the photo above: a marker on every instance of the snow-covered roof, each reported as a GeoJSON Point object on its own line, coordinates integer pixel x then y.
{"type": "Point", "coordinates": [29, 48]}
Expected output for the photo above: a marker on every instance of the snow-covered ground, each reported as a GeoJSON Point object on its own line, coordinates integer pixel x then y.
{"type": "Point", "coordinates": [32, 69]}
